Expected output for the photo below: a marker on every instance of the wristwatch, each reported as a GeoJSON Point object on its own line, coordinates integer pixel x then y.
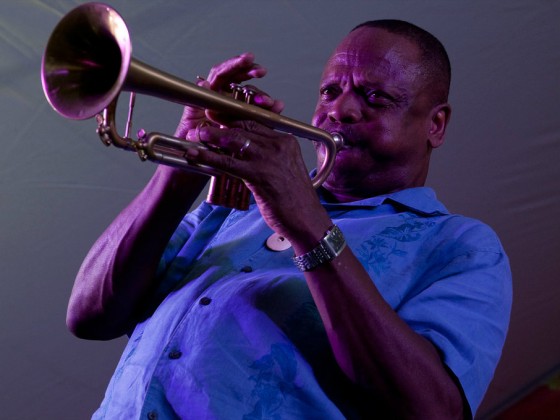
{"type": "Point", "coordinates": [328, 249]}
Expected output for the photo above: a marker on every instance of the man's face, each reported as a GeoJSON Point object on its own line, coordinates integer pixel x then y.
{"type": "Point", "coordinates": [372, 92]}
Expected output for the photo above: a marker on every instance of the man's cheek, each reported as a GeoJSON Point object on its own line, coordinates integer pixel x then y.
{"type": "Point", "coordinates": [318, 118]}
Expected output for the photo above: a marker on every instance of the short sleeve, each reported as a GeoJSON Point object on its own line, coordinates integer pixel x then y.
{"type": "Point", "coordinates": [182, 234]}
{"type": "Point", "coordinates": [185, 244]}
{"type": "Point", "coordinates": [465, 312]}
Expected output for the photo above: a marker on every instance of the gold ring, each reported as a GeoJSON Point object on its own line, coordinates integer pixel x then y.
{"type": "Point", "coordinates": [197, 130]}
{"type": "Point", "coordinates": [244, 148]}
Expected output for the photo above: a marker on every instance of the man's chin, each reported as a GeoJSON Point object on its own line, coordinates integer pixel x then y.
{"type": "Point", "coordinates": [342, 180]}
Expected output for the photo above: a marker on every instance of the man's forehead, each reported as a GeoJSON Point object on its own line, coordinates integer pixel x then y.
{"type": "Point", "coordinates": [375, 43]}
{"type": "Point", "coordinates": [342, 62]}
{"type": "Point", "coordinates": [359, 57]}
{"type": "Point", "coordinates": [390, 63]}
{"type": "Point", "coordinates": [375, 52]}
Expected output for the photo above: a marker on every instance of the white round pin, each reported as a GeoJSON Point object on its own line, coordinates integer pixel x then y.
{"type": "Point", "coordinates": [276, 242]}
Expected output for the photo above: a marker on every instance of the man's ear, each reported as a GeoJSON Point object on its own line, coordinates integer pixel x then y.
{"type": "Point", "coordinates": [440, 118]}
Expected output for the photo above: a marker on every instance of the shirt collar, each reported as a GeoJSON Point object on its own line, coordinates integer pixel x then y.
{"type": "Point", "coordinates": [421, 200]}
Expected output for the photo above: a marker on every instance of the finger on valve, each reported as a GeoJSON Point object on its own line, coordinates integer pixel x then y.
{"type": "Point", "coordinates": [235, 70]}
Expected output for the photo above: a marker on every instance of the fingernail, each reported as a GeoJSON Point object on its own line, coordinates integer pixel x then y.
{"type": "Point", "coordinates": [263, 100]}
{"type": "Point", "coordinates": [191, 135]}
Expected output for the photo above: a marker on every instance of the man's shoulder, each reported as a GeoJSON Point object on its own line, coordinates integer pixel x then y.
{"type": "Point", "coordinates": [473, 231]}
{"type": "Point", "coordinates": [455, 226]}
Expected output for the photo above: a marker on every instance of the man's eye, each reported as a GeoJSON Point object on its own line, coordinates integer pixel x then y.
{"type": "Point", "coordinates": [328, 92]}
{"type": "Point", "coordinates": [377, 98]}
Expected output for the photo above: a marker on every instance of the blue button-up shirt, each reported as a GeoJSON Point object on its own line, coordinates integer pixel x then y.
{"type": "Point", "coordinates": [235, 333]}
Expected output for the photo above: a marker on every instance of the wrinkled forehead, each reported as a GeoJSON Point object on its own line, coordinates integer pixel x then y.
{"type": "Point", "coordinates": [375, 53]}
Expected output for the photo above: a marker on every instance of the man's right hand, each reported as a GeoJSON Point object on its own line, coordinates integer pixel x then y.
{"type": "Point", "coordinates": [237, 70]}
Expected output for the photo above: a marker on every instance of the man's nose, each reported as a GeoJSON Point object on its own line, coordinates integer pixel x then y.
{"type": "Point", "coordinates": [346, 109]}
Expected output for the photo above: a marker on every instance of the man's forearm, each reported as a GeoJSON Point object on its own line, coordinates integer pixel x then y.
{"type": "Point", "coordinates": [375, 348]}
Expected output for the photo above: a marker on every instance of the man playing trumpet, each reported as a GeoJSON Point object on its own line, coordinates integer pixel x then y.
{"type": "Point", "coordinates": [363, 299]}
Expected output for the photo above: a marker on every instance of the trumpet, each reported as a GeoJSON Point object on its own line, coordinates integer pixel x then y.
{"type": "Point", "coordinates": [88, 62]}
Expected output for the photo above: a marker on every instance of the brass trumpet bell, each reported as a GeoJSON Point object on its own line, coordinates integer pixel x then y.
{"type": "Point", "coordinates": [88, 62]}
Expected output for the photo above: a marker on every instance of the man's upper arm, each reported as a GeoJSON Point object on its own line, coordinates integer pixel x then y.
{"type": "Point", "coordinates": [465, 312]}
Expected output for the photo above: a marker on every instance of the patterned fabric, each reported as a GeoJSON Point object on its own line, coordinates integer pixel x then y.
{"type": "Point", "coordinates": [235, 333]}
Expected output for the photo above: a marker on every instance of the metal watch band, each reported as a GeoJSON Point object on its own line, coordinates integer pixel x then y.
{"type": "Point", "coordinates": [328, 249]}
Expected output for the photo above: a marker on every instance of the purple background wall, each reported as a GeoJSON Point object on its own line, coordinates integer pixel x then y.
{"type": "Point", "coordinates": [59, 187]}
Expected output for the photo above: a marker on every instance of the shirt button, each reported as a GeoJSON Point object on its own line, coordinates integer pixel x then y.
{"type": "Point", "coordinates": [247, 269]}
{"type": "Point", "coordinates": [152, 415]}
{"type": "Point", "coordinates": [175, 354]}
{"type": "Point", "coordinates": [205, 301]}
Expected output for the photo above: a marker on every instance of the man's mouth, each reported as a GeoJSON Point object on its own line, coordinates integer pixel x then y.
{"type": "Point", "coordinates": [347, 134]}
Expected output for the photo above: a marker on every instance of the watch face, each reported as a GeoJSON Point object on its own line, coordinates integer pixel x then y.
{"type": "Point", "coordinates": [329, 248]}
{"type": "Point", "coordinates": [334, 241]}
